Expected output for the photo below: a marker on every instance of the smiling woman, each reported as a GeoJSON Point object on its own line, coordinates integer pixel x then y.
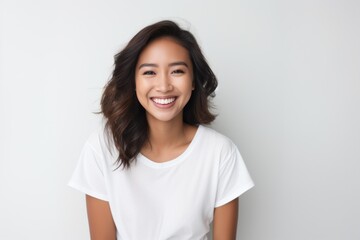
{"type": "Point", "coordinates": [164, 80]}
{"type": "Point", "coordinates": [172, 175]}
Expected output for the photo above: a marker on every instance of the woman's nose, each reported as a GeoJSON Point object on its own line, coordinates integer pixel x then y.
{"type": "Point", "coordinates": [164, 83]}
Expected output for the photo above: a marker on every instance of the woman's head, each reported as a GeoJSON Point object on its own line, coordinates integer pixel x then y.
{"type": "Point", "coordinates": [164, 80]}
{"type": "Point", "coordinates": [125, 115]}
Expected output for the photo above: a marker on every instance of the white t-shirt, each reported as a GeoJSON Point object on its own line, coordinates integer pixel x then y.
{"type": "Point", "coordinates": [169, 200]}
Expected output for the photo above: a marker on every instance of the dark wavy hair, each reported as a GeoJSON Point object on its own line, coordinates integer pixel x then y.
{"type": "Point", "coordinates": [126, 119]}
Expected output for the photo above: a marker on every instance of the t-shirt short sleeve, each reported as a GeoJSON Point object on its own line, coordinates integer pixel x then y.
{"type": "Point", "coordinates": [234, 178]}
{"type": "Point", "coordinates": [88, 176]}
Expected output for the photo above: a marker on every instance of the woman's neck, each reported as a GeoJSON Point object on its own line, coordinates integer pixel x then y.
{"type": "Point", "coordinates": [167, 140]}
{"type": "Point", "coordinates": [167, 134]}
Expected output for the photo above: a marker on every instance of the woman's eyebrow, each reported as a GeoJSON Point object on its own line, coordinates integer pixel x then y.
{"type": "Point", "coordinates": [148, 65]}
{"type": "Point", "coordinates": [170, 65]}
{"type": "Point", "coordinates": [178, 63]}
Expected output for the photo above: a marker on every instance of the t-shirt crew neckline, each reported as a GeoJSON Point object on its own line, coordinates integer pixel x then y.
{"type": "Point", "coordinates": [146, 161]}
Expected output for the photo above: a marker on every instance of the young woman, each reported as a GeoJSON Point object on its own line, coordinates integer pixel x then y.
{"type": "Point", "coordinates": [153, 171]}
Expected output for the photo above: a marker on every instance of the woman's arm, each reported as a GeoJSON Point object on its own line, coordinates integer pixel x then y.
{"type": "Point", "coordinates": [101, 223]}
{"type": "Point", "coordinates": [225, 221]}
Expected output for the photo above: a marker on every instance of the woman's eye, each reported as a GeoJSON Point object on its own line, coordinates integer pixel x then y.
{"type": "Point", "coordinates": [149, 73]}
{"type": "Point", "coordinates": [178, 71]}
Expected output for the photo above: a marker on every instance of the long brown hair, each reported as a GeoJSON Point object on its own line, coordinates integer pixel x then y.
{"type": "Point", "coordinates": [126, 118]}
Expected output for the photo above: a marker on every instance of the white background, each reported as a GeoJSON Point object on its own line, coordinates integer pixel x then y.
{"type": "Point", "coordinates": [289, 96]}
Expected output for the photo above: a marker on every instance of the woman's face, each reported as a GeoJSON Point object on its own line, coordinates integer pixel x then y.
{"type": "Point", "coordinates": [164, 80]}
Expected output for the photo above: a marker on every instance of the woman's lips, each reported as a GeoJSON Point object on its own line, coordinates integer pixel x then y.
{"type": "Point", "coordinates": [164, 102]}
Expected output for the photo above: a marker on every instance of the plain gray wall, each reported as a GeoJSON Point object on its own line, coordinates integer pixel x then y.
{"type": "Point", "coordinates": [289, 94]}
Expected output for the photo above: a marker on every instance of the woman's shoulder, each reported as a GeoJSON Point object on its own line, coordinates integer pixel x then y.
{"type": "Point", "coordinates": [96, 134]}
{"type": "Point", "coordinates": [215, 138]}
{"type": "Point", "coordinates": [100, 139]}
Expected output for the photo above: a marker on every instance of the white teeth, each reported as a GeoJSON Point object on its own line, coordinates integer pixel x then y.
{"type": "Point", "coordinates": [163, 100]}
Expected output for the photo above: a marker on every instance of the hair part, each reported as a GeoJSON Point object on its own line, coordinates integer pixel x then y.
{"type": "Point", "coordinates": [126, 118]}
